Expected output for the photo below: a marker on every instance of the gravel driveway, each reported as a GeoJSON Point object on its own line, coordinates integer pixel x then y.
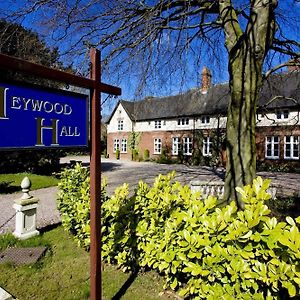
{"type": "Point", "coordinates": [117, 172]}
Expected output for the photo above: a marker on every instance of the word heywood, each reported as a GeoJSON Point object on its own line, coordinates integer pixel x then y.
{"type": "Point", "coordinates": [33, 117]}
{"type": "Point", "coordinates": [40, 105]}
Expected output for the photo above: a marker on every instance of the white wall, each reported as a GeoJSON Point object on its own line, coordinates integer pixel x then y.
{"type": "Point", "coordinates": [172, 125]}
{"type": "Point", "coordinates": [270, 119]}
{"type": "Point", "coordinates": [120, 114]}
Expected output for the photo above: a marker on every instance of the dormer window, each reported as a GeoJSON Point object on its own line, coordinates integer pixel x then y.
{"type": "Point", "coordinates": [157, 124]}
{"type": "Point", "coordinates": [183, 121]}
{"type": "Point", "coordinates": [120, 125]}
{"type": "Point", "coordinates": [205, 119]}
{"type": "Point", "coordinates": [282, 114]}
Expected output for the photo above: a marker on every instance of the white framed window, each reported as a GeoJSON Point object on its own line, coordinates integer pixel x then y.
{"type": "Point", "coordinates": [272, 147]}
{"type": "Point", "coordinates": [157, 146]}
{"type": "Point", "coordinates": [116, 145]}
{"type": "Point", "coordinates": [205, 119]}
{"type": "Point", "coordinates": [183, 121]}
{"type": "Point", "coordinates": [291, 147]}
{"type": "Point", "coordinates": [175, 145]}
{"type": "Point", "coordinates": [207, 146]}
{"type": "Point", "coordinates": [282, 114]}
{"type": "Point", "coordinates": [120, 125]}
{"type": "Point", "coordinates": [124, 146]}
{"type": "Point", "coordinates": [157, 124]}
{"type": "Point", "coordinates": [187, 146]}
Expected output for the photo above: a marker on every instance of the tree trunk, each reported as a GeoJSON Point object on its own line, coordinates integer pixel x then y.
{"type": "Point", "coordinates": [247, 50]}
{"type": "Point", "coordinates": [245, 82]}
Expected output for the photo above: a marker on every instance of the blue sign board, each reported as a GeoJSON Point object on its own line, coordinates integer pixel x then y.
{"type": "Point", "coordinates": [32, 117]}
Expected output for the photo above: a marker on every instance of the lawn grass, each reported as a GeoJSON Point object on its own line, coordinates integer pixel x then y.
{"type": "Point", "coordinates": [10, 183]}
{"type": "Point", "coordinates": [64, 273]}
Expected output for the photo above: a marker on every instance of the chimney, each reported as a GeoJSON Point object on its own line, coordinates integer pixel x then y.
{"type": "Point", "coordinates": [205, 80]}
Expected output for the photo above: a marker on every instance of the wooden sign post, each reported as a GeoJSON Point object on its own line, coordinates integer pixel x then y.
{"type": "Point", "coordinates": [95, 173]}
{"type": "Point", "coordinates": [96, 87]}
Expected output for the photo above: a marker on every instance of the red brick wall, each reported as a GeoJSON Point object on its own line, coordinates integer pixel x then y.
{"type": "Point", "coordinates": [147, 142]}
{"type": "Point", "coordinates": [281, 131]}
{"type": "Point", "coordinates": [110, 145]}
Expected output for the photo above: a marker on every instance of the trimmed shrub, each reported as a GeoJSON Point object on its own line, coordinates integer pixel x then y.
{"type": "Point", "coordinates": [135, 155]}
{"type": "Point", "coordinates": [117, 154]}
{"type": "Point", "coordinates": [146, 154]}
{"type": "Point", "coordinates": [73, 202]}
{"type": "Point", "coordinates": [43, 161]}
{"type": "Point", "coordinates": [203, 250]}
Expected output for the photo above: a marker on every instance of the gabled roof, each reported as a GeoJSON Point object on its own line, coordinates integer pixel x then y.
{"type": "Point", "coordinates": [280, 90]}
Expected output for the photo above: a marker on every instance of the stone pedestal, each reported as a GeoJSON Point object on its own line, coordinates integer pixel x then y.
{"type": "Point", "coordinates": [26, 213]}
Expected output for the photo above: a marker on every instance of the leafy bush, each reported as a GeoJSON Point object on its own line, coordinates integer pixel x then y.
{"type": "Point", "coordinates": [135, 155]}
{"type": "Point", "coordinates": [165, 158]}
{"type": "Point", "coordinates": [117, 154]}
{"type": "Point", "coordinates": [270, 166]}
{"type": "Point", "coordinates": [205, 251]}
{"type": "Point", "coordinates": [36, 161]}
{"type": "Point", "coordinates": [146, 154]}
{"type": "Point", "coordinates": [73, 202]}
{"type": "Point", "coordinates": [282, 207]}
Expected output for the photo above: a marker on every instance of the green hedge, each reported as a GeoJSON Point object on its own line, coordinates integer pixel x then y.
{"type": "Point", "coordinates": [35, 161]}
{"type": "Point", "coordinates": [204, 251]}
{"type": "Point", "coordinates": [73, 202]}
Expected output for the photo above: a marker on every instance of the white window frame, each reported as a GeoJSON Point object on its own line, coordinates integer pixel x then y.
{"type": "Point", "coordinates": [282, 114]}
{"type": "Point", "coordinates": [157, 124]}
{"type": "Point", "coordinates": [120, 125]}
{"type": "Point", "coordinates": [187, 146]}
{"type": "Point", "coordinates": [175, 145]}
{"type": "Point", "coordinates": [183, 121]}
{"type": "Point", "coordinates": [275, 146]}
{"type": "Point", "coordinates": [157, 146]}
{"type": "Point", "coordinates": [124, 146]}
{"type": "Point", "coordinates": [293, 145]}
{"type": "Point", "coordinates": [207, 146]}
{"type": "Point", "coordinates": [205, 119]}
{"type": "Point", "coordinates": [116, 145]}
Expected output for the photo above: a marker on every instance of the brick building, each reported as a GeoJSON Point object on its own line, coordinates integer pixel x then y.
{"type": "Point", "coordinates": [192, 125]}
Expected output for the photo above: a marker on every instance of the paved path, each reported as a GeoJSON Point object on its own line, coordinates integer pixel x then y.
{"type": "Point", "coordinates": [118, 172]}
{"type": "Point", "coordinates": [47, 214]}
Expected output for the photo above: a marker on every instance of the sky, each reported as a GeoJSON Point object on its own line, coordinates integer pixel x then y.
{"type": "Point", "coordinates": [170, 78]}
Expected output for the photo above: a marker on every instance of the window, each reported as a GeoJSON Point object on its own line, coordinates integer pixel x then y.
{"type": "Point", "coordinates": [157, 146]}
{"type": "Point", "coordinates": [124, 146]}
{"type": "Point", "coordinates": [116, 145]}
{"type": "Point", "coordinates": [120, 125]}
{"type": "Point", "coordinates": [282, 114]}
{"type": "Point", "coordinates": [183, 121]}
{"type": "Point", "coordinates": [205, 119]}
{"type": "Point", "coordinates": [291, 147]}
{"type": "Point", "coordinates": [175, 145]}
{"type": "Point", "coordinates": [272, 147]}
{"type": "Point", "coordinates": [157, 124]}
{"type": "Point", "coordinates": [187, 146]}
{"type": "Point", "coordinates": [207, 149]}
